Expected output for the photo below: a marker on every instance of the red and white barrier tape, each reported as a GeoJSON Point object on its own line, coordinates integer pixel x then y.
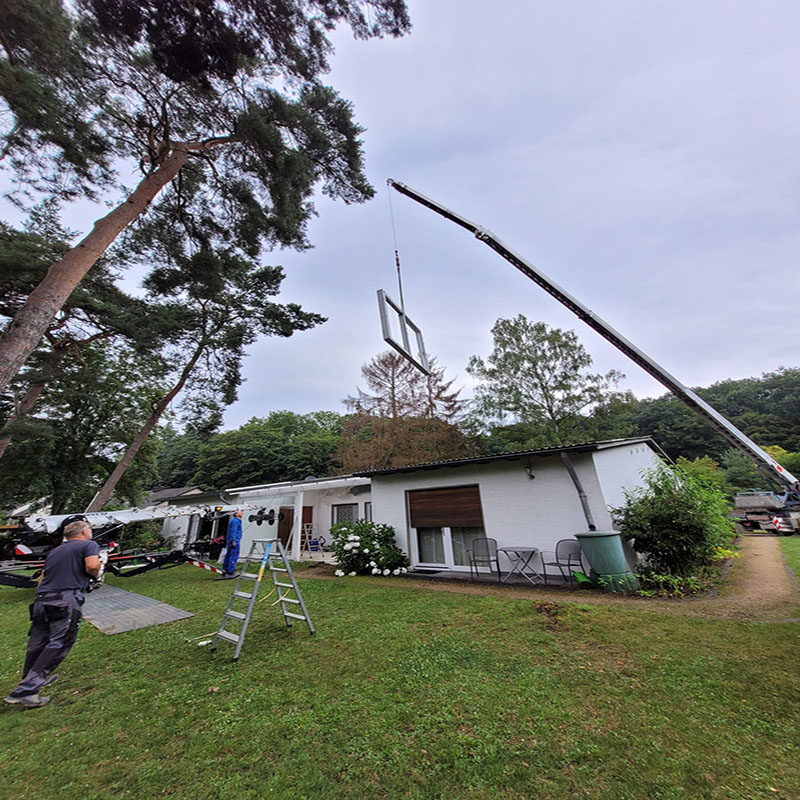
{"type": "Point", "coordinates": [203, 565]}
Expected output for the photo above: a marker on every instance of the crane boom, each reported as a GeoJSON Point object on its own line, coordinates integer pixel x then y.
{"type": "Point", "coordinates": [765, 463]}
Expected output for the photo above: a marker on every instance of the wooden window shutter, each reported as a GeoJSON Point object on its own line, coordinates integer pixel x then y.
{"type": "Point", "coordinates": [453, 507]}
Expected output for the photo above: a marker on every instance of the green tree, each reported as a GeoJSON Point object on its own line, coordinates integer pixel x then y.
{"type": "Point", "coordinates": [220, 303]}
{"type": "Point", "coordinates": [539, 376]}
{"type": "Point", "coordinates": [219, 105]}
{"type": "Point", "coordinates": [740, 472]}
{"type": "Point", "coordinates": [281, 447]}
{"type": "Point", "coordinates": [676, 521]}
{"type": "Point", "coordinates": [98, 310]}
{"type": "Point", "coordinates": [177, 456]}
{"type": "Point", "coordinates": [704, 468]}
{"type": "Point", "coordinates": [64, 450]}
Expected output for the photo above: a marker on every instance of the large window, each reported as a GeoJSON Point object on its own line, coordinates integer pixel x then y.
{"type": "Point", "coordinates": [346, 512]}
{"type": "Point", "coordinates": [445, 521]}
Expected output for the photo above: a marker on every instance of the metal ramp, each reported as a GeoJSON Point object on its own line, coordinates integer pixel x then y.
{"type": "Point", "coordinates": [270, 556]}
{"type": "Point", "coordinates": [113, 610]}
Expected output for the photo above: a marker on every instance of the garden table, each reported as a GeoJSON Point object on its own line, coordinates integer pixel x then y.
{"type": "Point", "coordinates": [521, 558]}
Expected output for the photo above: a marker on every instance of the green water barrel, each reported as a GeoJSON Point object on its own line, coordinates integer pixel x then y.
{"type": "Point", "coordinates": [603, 551]}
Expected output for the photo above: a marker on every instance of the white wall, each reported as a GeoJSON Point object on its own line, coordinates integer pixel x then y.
{"type": "Point", "coordinates": [621, 468]}
{"type": "Point", "coordinates": [321, 500]}
{"type": "Point", "coordinates": [516, 509]}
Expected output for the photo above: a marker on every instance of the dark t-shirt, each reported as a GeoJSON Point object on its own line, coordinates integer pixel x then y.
{"type": "Point", "coordinates": [64, 567]}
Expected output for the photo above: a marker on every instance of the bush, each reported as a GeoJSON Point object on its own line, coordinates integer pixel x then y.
{"type": "Point", "coordinates": [678, 522]}
{"type": "Point", "coordinates": [367, 548]}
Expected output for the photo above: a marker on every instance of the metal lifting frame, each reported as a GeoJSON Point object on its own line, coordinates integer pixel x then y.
{"type": "Point", "coordinates": [765, 463]}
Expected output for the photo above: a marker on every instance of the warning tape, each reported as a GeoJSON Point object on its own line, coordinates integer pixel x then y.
{"type": "Point", "coordinates": [203, 565]}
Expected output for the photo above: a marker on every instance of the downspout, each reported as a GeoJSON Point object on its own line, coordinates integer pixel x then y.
{"type": "Point", "coordinates": [587, 512]}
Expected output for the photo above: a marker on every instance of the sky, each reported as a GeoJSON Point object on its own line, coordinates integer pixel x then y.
{"type": "Point", "coordinates": [641, 154]}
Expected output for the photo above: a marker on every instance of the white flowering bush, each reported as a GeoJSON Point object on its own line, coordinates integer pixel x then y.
{"type": "Point", "coordinates": [367, 548]}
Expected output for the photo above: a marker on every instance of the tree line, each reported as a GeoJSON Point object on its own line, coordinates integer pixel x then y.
{"type": "Point", "coordinates": [405, 418]}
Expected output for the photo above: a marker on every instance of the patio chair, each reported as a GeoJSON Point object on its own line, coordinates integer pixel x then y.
{"type": "Point", "coordinates": [566, 556]}
{"type": "Point", "coordinates": [483, 553]}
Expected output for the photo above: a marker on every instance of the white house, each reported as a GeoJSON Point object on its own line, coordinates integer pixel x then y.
{"type": "Point", "coordinates": [531, 499]}
{"type": "Point", "coordinates": [313, 504]}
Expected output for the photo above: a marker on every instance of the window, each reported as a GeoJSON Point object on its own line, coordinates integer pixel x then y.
{"type": "Point", "coordinates": [368, 511]}
{"type": "Point", "coordinates": [346, 512]}
{"type": "Point", "coordinates": [446, 521]}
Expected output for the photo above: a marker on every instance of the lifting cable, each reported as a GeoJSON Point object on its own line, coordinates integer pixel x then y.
{"type": "Point", "coordinates": [396, 253]}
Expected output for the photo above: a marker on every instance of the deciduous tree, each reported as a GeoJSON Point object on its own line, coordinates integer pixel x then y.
{"type": "Point", "coordinates": [539, 376]}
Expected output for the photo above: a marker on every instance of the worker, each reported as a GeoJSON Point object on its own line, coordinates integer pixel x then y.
{"type": "Point", "coordinates": [56, 612]}
{"type": "Point", "coordinates": [232, 540]}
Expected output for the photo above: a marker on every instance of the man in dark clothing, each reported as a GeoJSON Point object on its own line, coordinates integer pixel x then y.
{"type": "Point", "coordinates": [56, 611]}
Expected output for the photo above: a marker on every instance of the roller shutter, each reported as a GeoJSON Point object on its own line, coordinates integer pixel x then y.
{"type": "Point", "coordinates": [452, 506]}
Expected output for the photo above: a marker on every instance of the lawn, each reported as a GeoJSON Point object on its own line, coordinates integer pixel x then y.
{"type": "Point", "coordinates": [409, 693]}
{"type": "Point", "coordinates": [790, 545]}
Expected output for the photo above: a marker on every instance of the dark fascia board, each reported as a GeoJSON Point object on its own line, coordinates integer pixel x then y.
{"type": "Point", "coordinates": [587, 447]}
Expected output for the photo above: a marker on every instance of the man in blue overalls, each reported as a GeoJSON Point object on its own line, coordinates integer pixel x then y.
{"type": "Point", "coordinates": [232, 541]}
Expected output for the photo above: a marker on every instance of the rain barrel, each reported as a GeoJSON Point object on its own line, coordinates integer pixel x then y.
{"type": "Point", "coordinates": [603, 551]}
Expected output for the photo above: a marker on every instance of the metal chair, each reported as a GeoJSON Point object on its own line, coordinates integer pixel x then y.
{"type": "Point", "coordinates": [567, 556]}
{"type": "Point", "coordinates": [482, 554]}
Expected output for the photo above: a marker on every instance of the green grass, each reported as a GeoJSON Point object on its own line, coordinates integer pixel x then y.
{"type": "Point", "coordinates": [791, 552]}
{"type": "Point", "coordinates": [406, 693]}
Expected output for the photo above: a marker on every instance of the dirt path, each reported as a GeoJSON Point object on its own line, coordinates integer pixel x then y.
{"type": "Point", "coordinates": [759, 588]}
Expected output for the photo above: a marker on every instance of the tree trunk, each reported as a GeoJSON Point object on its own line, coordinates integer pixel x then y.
{"type": "Point", "coordinates": [25, 331]}
{"type": "Point", "coordinates": [104, 495]}
{"type": "Point", "coordinates": [31, 396]}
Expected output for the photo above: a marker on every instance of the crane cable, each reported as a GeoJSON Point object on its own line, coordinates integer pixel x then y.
{"type": "Point", "coordinates": [396, 253]}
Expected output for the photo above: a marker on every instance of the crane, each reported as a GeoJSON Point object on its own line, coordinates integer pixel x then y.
{"type": "Point", "coordinates": [767, 465]}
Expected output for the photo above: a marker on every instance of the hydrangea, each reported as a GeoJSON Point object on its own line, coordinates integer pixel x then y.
{"type": "Point", "coordinates": [366, 548]}
{"type": "Point", "coordinates": [352, 574]}
{"type": "Point", "coordinates": [339, 573]}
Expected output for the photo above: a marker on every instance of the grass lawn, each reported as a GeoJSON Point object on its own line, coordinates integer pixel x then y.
{"type": "Point", "coordinates": [790, 545]}
{"type": "Point", "coordinates": [409, 693]}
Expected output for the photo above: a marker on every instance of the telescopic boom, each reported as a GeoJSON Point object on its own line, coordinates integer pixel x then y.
{"type": "Point", "coordinates": [765, 463]}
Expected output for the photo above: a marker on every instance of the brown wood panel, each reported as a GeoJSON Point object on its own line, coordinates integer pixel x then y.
{"type": "Point", "coordinates": [285, 525]}
{"type": "Point", "coordinates": [308, 514]}
{"type": "Point", "coordinates": [453, 506]}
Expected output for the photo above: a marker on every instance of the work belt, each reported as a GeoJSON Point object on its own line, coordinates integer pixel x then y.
{"type": "Point", "coordinates": [45, 596]}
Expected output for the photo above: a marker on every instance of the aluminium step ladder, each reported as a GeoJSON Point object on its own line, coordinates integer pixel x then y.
{"type": "Point", "coordinates": [266, 555]}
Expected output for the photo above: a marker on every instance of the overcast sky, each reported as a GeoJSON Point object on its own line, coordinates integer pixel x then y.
{"type": "Point", "coordinates": [642, 154]}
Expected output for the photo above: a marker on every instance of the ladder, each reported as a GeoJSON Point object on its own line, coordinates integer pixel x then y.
{"type": "Point", "coordinates": [266, 555]}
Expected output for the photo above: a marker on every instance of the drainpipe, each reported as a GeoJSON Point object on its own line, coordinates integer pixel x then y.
{"type": "Point", "coordinates": [587, 512]}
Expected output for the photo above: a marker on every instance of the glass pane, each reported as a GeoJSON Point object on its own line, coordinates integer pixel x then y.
{"type": "Point", "coordinates": [346, 513]}
{"type": "Point", "coordinates": [462, 541]}
{"type": "Point", "coordinates": [431, 545]}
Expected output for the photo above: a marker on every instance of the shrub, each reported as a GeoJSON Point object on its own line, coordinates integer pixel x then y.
{"type": "Point", "coordinates": [367, 548]}
{"type": "Point", "coordinates": [678, 522]}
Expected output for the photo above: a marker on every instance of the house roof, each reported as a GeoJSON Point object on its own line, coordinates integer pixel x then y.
{"type": "Point", "coordinates": [288, 487]}
{"type": "Point", "coordinates": [587, 447]}
{"type": "Point", "coordinates": [159, 495]}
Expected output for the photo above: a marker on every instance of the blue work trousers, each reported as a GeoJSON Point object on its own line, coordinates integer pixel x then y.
{"type": "Point", "coordinates": [231, 557]}
{"type": "Point", "coordinates": [55, 617]}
